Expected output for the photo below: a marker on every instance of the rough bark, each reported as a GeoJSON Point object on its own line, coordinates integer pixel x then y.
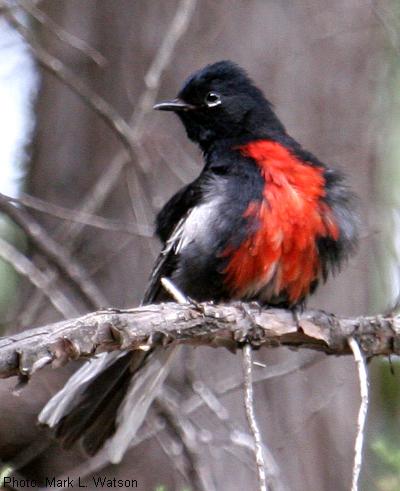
{"type": "Point", "coordinates": [227, 325]}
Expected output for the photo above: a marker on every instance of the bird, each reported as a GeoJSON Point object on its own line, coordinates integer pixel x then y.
{"type": "Point", "coordinates": [264, 221]}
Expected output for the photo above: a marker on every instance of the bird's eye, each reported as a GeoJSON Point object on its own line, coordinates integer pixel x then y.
{"type": "Point", "coordinates": [212, 99]}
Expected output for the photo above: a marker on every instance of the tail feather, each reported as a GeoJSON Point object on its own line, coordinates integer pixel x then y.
{"type": "Point", "coordinates": [107, 389]}
{"type": "Point", "coordinates": [145, 385]}
{"type": "Point", "coordinates": [107, 400]}
{"type": "Point", "coordinates": [103, 424]}
{"type": "Point", "coordinates": [65, 400]}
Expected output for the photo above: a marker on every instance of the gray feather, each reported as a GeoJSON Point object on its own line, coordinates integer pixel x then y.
{"type": "Point", "coordinates": [144, 387]}
{"type": "Point", "coordinates": [65, 400]}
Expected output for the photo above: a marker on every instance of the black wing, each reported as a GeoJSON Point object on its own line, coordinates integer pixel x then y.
{"type": "Point", "coordinates": [169, 224]}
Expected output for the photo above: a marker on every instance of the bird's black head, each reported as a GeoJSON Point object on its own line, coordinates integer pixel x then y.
{"type": "Point", "coordinates": [220, 102]}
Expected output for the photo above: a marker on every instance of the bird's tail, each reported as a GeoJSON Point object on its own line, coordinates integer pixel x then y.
{"type": "Point", "coordinates": [107, 400]}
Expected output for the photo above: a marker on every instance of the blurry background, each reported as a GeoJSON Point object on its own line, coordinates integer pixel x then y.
{"type": "Point", "coordinates": [331, 68]}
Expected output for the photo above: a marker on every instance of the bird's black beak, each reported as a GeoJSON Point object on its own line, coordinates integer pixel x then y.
{"type": "Point", "coordinates": [173, 105]}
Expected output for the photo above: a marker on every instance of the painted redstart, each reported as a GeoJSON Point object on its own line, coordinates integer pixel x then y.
{"type": "Point", "coordinates": [265, 221]}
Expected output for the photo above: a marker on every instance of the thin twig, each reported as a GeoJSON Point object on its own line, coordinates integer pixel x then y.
{"type": "Point", "coordinates": [107, 181]}
{"type": "Point", "coordinates": [109, 257]}
{"type": "Point", "coordinates": [210, 400]}
{"type": "Point", "coordinates": [105, 184]}
{"type": "Point", "coordinates": [71, 270]}
{"type": "Point", "coordinates": [232, 384]}
{"type": "Point", "coordinates": [41, 280]}
{"type": "Point", "coordinates": [34, 306]}
{"type": "Point", "coordinates": [238, 436]}
{"type": "Point", "coordinates": [177, 28]}
{"type": "Point", "coordinates": [245, 440]}
{"type": "Point", "coordinates": [52, 64]}
{"type": "Point", "coordinates": [251, 417]}
{"type": "Point", "coordinates": [95, 198]}
{"type": "Point", "coordinates": [172, 447]}
{"type": "Point", "coordinates": [362, 414]}
{"type": "Point", "coordinates": [187, 435]}
{"type": "Point", "coordinates": [141, 208]}
{"type": "Point", "coordinates": [61, 34]}
{"type": "Point", "coordinates": [81, 217]}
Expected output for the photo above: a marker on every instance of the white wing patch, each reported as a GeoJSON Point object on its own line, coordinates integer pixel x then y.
{"type": "Point", "coordinates": [193, 227]}
{"type": "Point", "coordinates": [197, 224]}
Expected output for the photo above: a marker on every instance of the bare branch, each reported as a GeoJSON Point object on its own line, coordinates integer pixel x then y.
{"type": "Point", "coordinates": [107, 113]}
{"type": "Point", "coordinates": [176, 30]}
{"type": "Point", "coordinates": [61, 34]}
{"type": "Point", "coordinates": [232, 384]}
{"type": "Point", "coordinates": [362, 415]}
{"type": "Point", "coordinates": [40, 279]}
{"type": "Point", "coordinates": [251, 417]}
{"type": "Point", "coordinates": [81, 217]}
{"type": "Point", "coordinates": [186, 434]}
{"type": "Point", "coordinates": [238, 437]}
{"type": "Point", "coordinates": [55, 253]}
{"type": "Point", "coordinates": [212, 325]}
{"type": "Point", "coordinates": [105, 184]}
{"type": "Point", "coordinates": [129, 134]}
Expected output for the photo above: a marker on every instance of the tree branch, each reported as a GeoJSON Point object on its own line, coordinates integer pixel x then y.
{"type": "Point", "coordinates": [107, 181]}
{"type": "Point", "coordinates": [362, 414]}
{"type": "Point", "coordinates": [52, 64]}
{"type": "Point", "coordinates": [225, 325]}
{"type": "Point", "coordinates": [55, 253]}
{"type": "Point", "coordinates": [74, 42]}
{"type": "Point", "coordinates": [74, 215]}
{"type": "Point", "coordinates": [251, 416]}
{"type": "Point", "coordinates": [41, 279]}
